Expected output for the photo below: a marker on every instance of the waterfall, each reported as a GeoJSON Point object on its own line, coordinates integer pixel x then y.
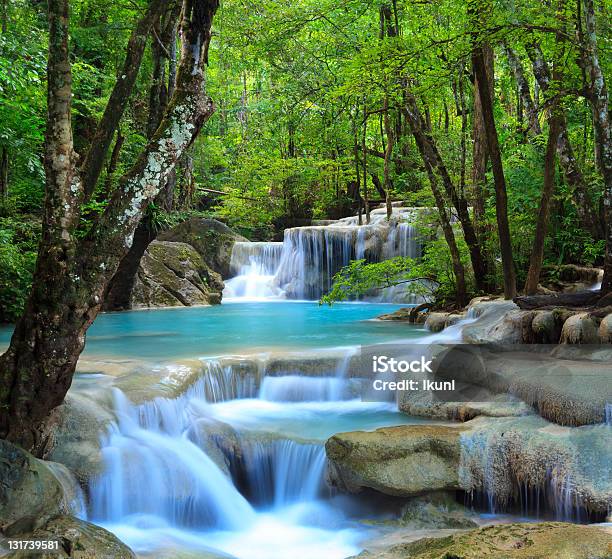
{"type": "Point", "coordinates": [294, 388]}
{"type": "Point", "coordinates": [281, 472]}
{"type": "Point", "coordinates": [303, 266]}
{"type": "Point", "coordinates": [608, 414]}
{"type": "Point", "coordinates": [151, 470]}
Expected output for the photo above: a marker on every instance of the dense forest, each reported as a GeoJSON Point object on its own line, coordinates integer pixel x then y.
{"type": "Point", "coordinates": [119, 120]}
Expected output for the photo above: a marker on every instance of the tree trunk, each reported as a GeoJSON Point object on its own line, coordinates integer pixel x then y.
{"type": "Point", "coordinates": [431, 156]}
{"type": "Point", "coordinates": [501, 199]}
{"type": "Point", "coordinates": [388, 152]}
{"type": "Point", "coordinates": [524, 91]}
{"type": "Point", "coordinates": [587, 215]}
{"type": "Point", "coordinates": [447, 229]}
{"type": "Point", "coordinates": [4, 171]}
{"type": "Point", "coordinates": [480, 155]}
{"type": "Point", "coordinates": [364, 149]}
{"type": "Point", "coordinates": [537, 251]}
{"type": "Point", "coordinates": [119, 293]}
{"type": "Point", "coordinates": [598, 97]}
{"type": "Point", "coordinates": [72, 271]}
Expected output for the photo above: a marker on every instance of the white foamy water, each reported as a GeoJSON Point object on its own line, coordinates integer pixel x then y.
{"type": "Point", "coordinates": [303, 265]}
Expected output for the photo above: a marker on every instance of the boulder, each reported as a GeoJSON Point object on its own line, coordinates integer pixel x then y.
{"type": "Point", "coordinates": [496, 457]}
{"type": "Point", "coordinates": [77, 539]}
{"type": "Point", "coordinates": [436, 321]}
{"type": "Point", "coordinates": [579, 329]}
{"type": "Point", "coordinates": [454, 318]}
{"type": "Point", "coordinates": [491, 324]}
{"type": "Point", "coordinates": [401, 461]}
{"type": "Point", "coordinates": [212, 240]}
{"type": "Point", "coordinates": [30, 493]}
{"type": "Point", "coordinates": [544, 540]}
{"type": "Point", "coordinates": [73, 436]}
{"type": "Point", "coordinates": [174, 274]}
{"type": "Point", "coordinates": [401, 315]}
{"type": "Point", "coordinates": [545, 327]}
{"type": "Point", "coordinates": [605, 330]}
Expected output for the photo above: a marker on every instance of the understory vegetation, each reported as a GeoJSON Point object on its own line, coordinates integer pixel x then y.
{"type": "Point", "coordinates": [327, 109]}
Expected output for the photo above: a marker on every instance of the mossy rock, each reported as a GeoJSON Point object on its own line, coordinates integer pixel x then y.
{"type": "Point", "coordinates": [212, 240]}
{"type": "Point", "coordinates": [545, 540]}
{"type": "Point", "coordinates": [174, 274]}
{"type": "Point", "coordinates": [77, 539]}
{"type": "Point", "coordinates": [30, 493]}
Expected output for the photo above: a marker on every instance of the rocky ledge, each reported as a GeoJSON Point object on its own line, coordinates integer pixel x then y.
{"type": "Point", "coordinates": [545, 540]}
{"type": "Point", "coordinates": [500, 458]}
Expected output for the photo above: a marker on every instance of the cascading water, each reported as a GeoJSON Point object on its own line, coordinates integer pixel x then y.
{"type": "Point", "coordinates": [233, 458]}
{"type": "Point", "coordinates": [303, 266]}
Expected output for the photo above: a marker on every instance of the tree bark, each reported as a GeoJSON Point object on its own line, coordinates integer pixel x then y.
{"type": "Point", "coordinates": [598, 97]}
{"type": "Point", "coordinates": [388, 152]}
{"type": "Point", "coordinates": [537, 251]}
{"type": "Point", "coordinates": [431, 156]}
{"type": "Point", "coordinates": [524, 91]}
{"type": "Point", "coordinates": [72, 271]}
{"type": "Point", "coordinates": [501, 198]}
{"type": "Point", "coordinates": [480, 155]}
{"type": "Point", "coordinates": [364, 149]}
{"type": "Point", "coordinates": [103, 136]}
{"type": "Point", "coordinates": [447, 229]}
{"type": "Point", "coordinates": [587, 216]}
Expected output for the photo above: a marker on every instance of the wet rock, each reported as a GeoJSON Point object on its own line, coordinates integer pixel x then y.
{"type": "Point", "coordinates": [436, 321]}
{"type": "Point", "coordinates": [546, 327]}
{"type": "Point", "coordinates": [605, 330]}
{"type": "Point", "coordinates": [436, 511]}
{"type": "Point", "coordinates": [217, 439]}
{"type": "Point", "coordinates": [174, 274]}
{"type": "Point", "coordinates": [492, 324]}
{"type": "Point", "coordinates": [212, 240]}
{"type": "Point", "coordinates": [400, 315]}
{"type": "Point", "coordinates": [402, 461]}
{"type": "Point", "coordinates": [77, 539]}
{"type": "Point", "coordinates": [579, 329]}
{"type": "Point", "coordinates": [30, 494]}
{"type": "Point", "coordinates": [73, 436]}
{"type": "Point", "coordinates": [496, 457]}
{"type": "Point", "coordinates": [454, 318]}
{"type": "Point", "coordinates": [543, 540]}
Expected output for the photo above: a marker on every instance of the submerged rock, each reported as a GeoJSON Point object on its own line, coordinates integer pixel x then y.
{"type": "Point", "coordinates": [174, 274]}
{"type": "Point", "coordinates": [545, 540]}
{"type": "Point", "coordinates": [212, 240]}
{"type": "Point", "coordinates": [77, 539]}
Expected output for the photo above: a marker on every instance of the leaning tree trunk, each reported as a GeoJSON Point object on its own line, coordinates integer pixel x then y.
{"type": "Point", "coordinates": [537, 251]}
{"type": "Point", "coordinates": [72, 272]}
{"type": "Point", "coordinates": [501, 198]}
{"type": "Point", "coordinates": [431, 156]}
{"type": "Point", "coordinates": [587, 215]}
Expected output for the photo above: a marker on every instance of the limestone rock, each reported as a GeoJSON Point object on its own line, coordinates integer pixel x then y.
{"type": "Point", "coordinates": [212, 240]}
{"type": "Point", "coordinates": [605, 330]}
{"type": "Point", "coordinates": [579, 329]}
{"type": "Point", "coordinates": [545, 327]}
{"type": "Point", "coordinates": [402, 461]}
{"type": "Point", "coordinates": [436, 511]}
{"type": "Point", "coordinates": [436, 321]}
{"type": "Point", "coordinates": [491, 324]}
{"type": "Point", "coordinates": [400, 315]}
{"type": "Point", "coordinates": [30, 494]}
{"type": "Point", "coordinates": [174, 274]}
{"type": "Point", "coordinates": [74, 436]}
{"type": "Point", "coordinates": [545, 540]}
{"type": "Point", "coordinates": [77, 539]}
